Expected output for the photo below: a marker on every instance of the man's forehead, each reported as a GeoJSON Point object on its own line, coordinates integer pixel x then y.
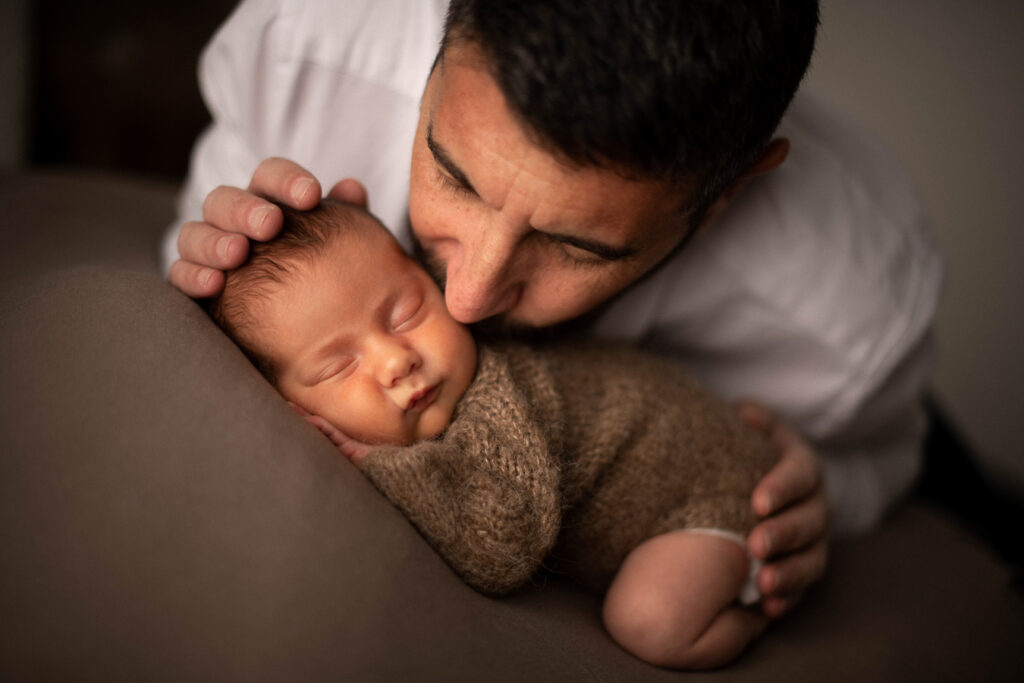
{"type": "Point", "coordinates": [466, 107]}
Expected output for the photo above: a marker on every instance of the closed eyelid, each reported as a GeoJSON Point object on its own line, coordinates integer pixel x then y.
{"type": "Point", "coordinates": [333, 370]}
{"type": "Point", "coordinates": [459, 181]}
{"type": "Point", "coordinates": [603, 251]}
{"type": "Point", "coordinates": [406, 309]}
{"type": "Point", "coordinates": [445, 161]}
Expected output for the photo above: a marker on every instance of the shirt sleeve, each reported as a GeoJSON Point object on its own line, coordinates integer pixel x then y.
{"type": "Point", "coordinates": [875, 459]}
{"type": "Point", "coordinates": [814, 294]}
{"type": "Point", "coordinates": [333, 86]}
{"type": "Point", "coordinates": [233, 75]}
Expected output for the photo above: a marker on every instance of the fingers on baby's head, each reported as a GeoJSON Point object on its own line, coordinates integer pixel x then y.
{"type": "Point", "coordinates": [333, 229]}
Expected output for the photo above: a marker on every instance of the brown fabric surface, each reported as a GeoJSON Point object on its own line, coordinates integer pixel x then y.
{"type": "Point", "coordinates": [164, 516]}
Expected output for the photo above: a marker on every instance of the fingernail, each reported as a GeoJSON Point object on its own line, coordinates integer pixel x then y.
{"type": "Point", "coordinates": [223, 248]}
{"type": "Point", "coordinates": [775, 608]}
{"type": "Point", "coordinates": [300, 187]}
{"type": "Point", "coordinates": [257, 217]}
{"type": "Point", "coordinates": [769, 580]}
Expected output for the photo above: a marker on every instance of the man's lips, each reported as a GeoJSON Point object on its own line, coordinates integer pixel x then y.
{"type": "Point", "coordinates": [422, 398]}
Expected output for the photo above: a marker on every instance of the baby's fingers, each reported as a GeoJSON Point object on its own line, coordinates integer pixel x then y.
{"type": "Point", "coordinates": [349, 447]}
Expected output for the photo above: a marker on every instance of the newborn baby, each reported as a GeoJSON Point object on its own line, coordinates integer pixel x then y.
{"type": "Point", "coordinates": [603, 463]}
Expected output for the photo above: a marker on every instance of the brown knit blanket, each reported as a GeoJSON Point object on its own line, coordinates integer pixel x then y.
{"type": "Point", "coordinates": [571, 456]}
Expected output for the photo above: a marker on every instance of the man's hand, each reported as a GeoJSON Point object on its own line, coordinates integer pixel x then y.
{"type": "Point", "coordinates": [792, 536]}
{"type": "Point", "coordinates": [231, 216]}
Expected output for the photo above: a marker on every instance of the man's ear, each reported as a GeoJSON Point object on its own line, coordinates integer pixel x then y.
{"type": "Point", "coordinates": [774, 154]}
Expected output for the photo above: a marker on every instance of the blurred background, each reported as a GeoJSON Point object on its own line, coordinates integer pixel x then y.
{"type": "Point", "coordinates": [942, 83]}
{"type": "Point", "coordinates": [107, 84]}
{"type": "Point", "coordinates": [110, 85]}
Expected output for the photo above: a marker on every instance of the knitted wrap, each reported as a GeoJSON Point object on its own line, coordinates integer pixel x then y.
{"type": "Point", "coordinates": [571, 457]}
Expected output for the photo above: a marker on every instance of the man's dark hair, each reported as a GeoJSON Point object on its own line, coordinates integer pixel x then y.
{"type": "Point", "coordinates": [688, 91]}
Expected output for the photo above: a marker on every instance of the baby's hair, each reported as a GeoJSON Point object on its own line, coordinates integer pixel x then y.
{"type": "Point", "coordinates": [304, 236]}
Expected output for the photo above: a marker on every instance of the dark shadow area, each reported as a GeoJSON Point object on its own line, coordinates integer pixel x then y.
{"type": "Point", "coordinates": [953, 480]}
{"type": "Point", "coordinates": [114, 82]}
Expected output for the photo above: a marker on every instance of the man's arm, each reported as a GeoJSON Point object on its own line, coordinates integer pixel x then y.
{"type": "Point", "coordinates": [332, 86]}
{"type": "Point", "coordinates": [866, 468]}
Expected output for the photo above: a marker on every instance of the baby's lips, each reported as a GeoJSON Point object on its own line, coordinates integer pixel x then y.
{"type": "Point", "coordinates": [417, 397]}
{"type": "Point", "coordinates": [403, 396]}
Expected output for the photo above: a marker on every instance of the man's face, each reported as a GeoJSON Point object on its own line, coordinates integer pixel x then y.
{"type": "Point", "coordinates": [361, 337]}
{"type": "Point", "coordinates": [509, 228]}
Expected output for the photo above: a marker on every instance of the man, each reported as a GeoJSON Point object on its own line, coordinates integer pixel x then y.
{"type": "Point", "coordinates": [611, 164]}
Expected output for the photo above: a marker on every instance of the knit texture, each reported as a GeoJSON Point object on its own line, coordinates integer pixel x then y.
{"type": "Point", "coordinates": [571, 456]}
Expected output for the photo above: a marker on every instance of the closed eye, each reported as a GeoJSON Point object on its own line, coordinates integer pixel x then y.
{"type": "Point", "coordinates": [590, 252]}
{"type": "Point", "coordinates": [454, 186]}
{"type": "Point", "coordinates": [449, 174]}
{"type": "Point", "coordinates": [339, 369]}
{"type": "Point", "coordinates": [406, 314]}
{"type": "Point", "coordinates": [578, 256]}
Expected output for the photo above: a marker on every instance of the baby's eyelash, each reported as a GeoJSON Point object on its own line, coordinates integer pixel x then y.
{"type": "Point", "coordinates": [335, 370]}
{"type": "Point", "coordinates": [407, 318]}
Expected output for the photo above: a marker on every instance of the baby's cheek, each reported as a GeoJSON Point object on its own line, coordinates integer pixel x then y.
{"type": "Point", "coordinates": [348, 416]}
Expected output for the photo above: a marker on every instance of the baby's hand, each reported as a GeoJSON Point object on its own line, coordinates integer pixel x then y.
{"type": "Point", "coordinates": [349, 447]}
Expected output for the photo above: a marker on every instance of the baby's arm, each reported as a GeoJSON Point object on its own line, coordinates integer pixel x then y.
{"type": "Point", "coordinates": [673, 601]}
{"type": "Point", "coordinates": [493, 523]}
{"type": "Point", "coordinates": [493, 516]}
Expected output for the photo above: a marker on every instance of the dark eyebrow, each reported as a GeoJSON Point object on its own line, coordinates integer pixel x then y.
{"type": "Point", "coordinates": [603, 251]}
{"type": "Point", "coordinates": [442, 158]}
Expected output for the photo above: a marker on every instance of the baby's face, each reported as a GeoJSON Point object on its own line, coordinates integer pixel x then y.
{"type": "Point", "coordinates": [361, 336]}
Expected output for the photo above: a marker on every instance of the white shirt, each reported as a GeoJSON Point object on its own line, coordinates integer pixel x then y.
{"type": "Point", "coordinates": [814, 292]}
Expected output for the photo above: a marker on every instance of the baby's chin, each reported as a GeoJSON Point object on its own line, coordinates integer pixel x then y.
{"type": "Point", "coordinates": [432, 424]}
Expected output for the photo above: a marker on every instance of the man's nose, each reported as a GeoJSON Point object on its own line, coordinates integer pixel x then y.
{"type": "Point", "coordinates": [484, 281]}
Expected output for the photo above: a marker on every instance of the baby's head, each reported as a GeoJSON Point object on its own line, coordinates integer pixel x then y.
{"type": "Point", "coordinates": [348, 327]}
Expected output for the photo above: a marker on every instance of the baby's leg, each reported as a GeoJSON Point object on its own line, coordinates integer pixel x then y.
{"type": "Point", "coordinates": [673, 601]}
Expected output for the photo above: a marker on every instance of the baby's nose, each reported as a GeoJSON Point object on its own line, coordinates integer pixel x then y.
{"type": "Point", "coordinates": [398, 362]}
